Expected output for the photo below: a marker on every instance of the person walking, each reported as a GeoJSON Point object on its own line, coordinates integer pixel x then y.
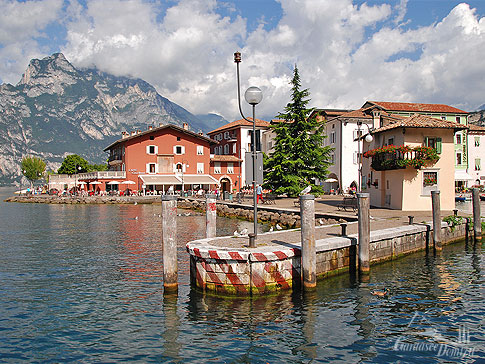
{"type": "Point", "coordinates": [259, 194]}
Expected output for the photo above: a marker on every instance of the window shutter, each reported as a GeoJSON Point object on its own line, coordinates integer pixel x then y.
{"type": "Point", "coordinates": [147, 168]}
{"type": "Point", "coordinates": [148, 149]}
{"type": "Point", "coordinates": [438, 145]}
{"type": "Point", "coordinates": [183, 150]}
{"type": "Point", "coordinates": [425, 141]}
{"type": "Point", "coordinates": [156, 149]}
{"type": "Point", "coordinates": [174, 150]}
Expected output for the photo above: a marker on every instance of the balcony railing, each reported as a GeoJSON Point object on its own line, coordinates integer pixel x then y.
{"type": "Point", "coordinates": [399, 157]}
{"type": "Point", "coordinates": [102, 175]}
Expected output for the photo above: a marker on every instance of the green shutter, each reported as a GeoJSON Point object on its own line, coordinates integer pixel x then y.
{"type": "Point", "coordinates": [438, 145]}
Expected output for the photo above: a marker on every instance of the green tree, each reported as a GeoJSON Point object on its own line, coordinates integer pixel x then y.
{"type": "Point", "coordinates": [299, 155]}
{"type": "Point", "coordinates": [33, 168]}
{"type": "Point", "coordinates": [73, 164]}
{"type": "Point", "coordinates": [97, 167]}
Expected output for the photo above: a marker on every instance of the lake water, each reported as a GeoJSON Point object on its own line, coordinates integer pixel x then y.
{"type": "Point", "coordinates": [83, 283]}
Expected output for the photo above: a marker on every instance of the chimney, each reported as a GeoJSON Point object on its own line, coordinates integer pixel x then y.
{"type": "Point", "coordinates": [160, 125]}
{"type": "Point", "coordinates": [150, 127]}
{"type": "Point", "coordinates": [138, 131]}
{"type": "Point", "coordinates": [133, 133]}
{"type": "Point", "coordinates": [186, 126]}
{"type": "Point", "coordinates": [376, 119]}
{"type": "Point", "coordinates": [201, 133]}
{"type": "Point", "coordinates": [124, 135]}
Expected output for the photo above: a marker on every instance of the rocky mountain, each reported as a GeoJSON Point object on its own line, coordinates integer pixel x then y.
{"type": "Point", "coordinates": [478, 117]}
{"type": "Point", "coordinates": [57, 109]}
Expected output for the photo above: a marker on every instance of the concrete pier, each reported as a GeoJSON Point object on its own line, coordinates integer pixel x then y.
{"type": "Point", "coordinates": [169, 243]}
{"type": "Point", "coordinates": [477, 225]}
{"type": "Point", "coordinates": [308, 255]}
{"type": "Point", "coordinates": [363, 206]}
{"type": "Point", "coordinates": [435, 203]}
{"type": "Point", "coordinates": [210, 216]}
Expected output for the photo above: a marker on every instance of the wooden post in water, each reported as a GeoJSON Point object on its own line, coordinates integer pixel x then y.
{"type": "Point", "coordinates": [477, 221]}
{"type": "Point", "coordinates": [435, 203]}
{"type": "Point", "coordinates": [308, 253]}
{"type": "Point", "coordinates": [169, 243]}
{"type": "Point", "coordinates": [210, 216]}
{"type": "Point", "coordinates": [363, 205]}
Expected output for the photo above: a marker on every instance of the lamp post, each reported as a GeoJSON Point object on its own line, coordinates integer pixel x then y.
{"type": "Point", "coordinates": [368, 138]}
{"type": "Point", "coordinates": [20, 184]}
{"type": "Point", "coordinates": [78, 168]}
{"type": "Point", "coordinates": [253, 96]}
{"type": "Point", "coordinates": [183, 165]}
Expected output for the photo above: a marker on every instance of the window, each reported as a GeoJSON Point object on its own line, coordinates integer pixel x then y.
{"type": "Point", "coordinates": [230, 168]}
{"type": "Point", "coordinates": [332, 137]}
{"type": "Point", "coordinates": [178, 139]}
{"type": "Point", "coordinates": [459, 159]}
{"type": "Point", "coordinates": [458, 119]}
{"type": "Point", "coordinates": [217, 167]}
{"type": "Point", "coordinates": [433, 142]}
{"type": "Point", "coordinates": [220, 149]}
{"type": "Point", "coordinates": [152, 149]}
{"type": "Point", "coordinates": [200, 150]}
{"type": "Point", "coordinates": [234, 148]}
{"type": "Point", "coordinates": [357, 157]}
{"type": "Point", "coordinates": [477, 141]}
{"type": "Point", "coordinates": [179, 168]}
{"type": "Point", "coordinates": [443, 118]}
{"type": "Point", "coordinates": [200, 168]}
{"type": "Point", "coordinates": [226, 149]}
{"type": "Point", "coordinates": [332, 158]}
{"type": "Point", "coordinates": [458, 138]}
{"type": "Point", "coordinates": [430, 182]}
{"type": "Point", "coordinates": [151, 168]}
{"type": "Point", "coordinates": [178, 149]}
{"type": "Point", "coordinates": [152, 137]}
{"type": "Point", "coordinates": [226, 135]}
{"type": "Point", "coordinates": [357, 134]}
{"type": "Point", "coordinates": [219, 137]}
{"type": "Point", "coordinates": [477, 164]}
{"type": "Point", "coordinates": [390, 141]}
{"type": "Point", "coordinates": [270, 145]}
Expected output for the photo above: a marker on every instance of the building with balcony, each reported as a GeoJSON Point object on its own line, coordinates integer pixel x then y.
{"type": "Point", "coordinates": [407, 159]}
{"type": "Point", "coordinates": [160, 158]}
{"type": "Point", "coordinates": [476, 152]}
{"type": "Point", "coordinates": [232, 155]}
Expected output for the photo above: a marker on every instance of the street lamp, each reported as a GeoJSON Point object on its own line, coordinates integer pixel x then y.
{"type": "Point", "coordinates": [253, 96]}
{"type": "Point", "coordinates": [20, 184]}
{"type": "Point", "coordinates": [78, 168]}
{"type": "Point", "coordinates": [368, 138]}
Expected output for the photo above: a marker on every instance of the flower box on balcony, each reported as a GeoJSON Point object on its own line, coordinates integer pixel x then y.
{"type": "Point", "coordinates": [399, 157]}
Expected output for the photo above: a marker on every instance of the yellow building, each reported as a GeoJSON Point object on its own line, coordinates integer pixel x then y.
{"type": "Point", "coordinates": [407, 159]}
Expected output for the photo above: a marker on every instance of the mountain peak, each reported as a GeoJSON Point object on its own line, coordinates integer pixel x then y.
{"type": "Point", "coordinates": [54, 65]}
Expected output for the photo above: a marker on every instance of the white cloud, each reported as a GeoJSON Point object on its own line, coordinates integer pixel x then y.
{"type": "Point", "coordinates": [346, 53]}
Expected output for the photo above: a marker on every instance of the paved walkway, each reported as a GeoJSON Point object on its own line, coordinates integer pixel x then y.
{"type": "Point", "coordinates": [328, 205]}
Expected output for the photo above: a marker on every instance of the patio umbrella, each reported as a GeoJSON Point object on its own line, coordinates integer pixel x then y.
{"type": "Point", "coordinates": [113, 183]}
{"type": "Point", "coordinates": [128, 183]}
{"type": "Point", "coordinates": [95, 183]}
{"type": "Point", "coordinates": [330, 180]}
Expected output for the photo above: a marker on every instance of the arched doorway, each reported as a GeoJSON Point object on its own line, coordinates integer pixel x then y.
{"type": "Point", "coordinates": [225, 184]}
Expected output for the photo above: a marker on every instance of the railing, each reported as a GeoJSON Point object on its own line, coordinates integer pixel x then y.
{"type": "Point", "coordinates": [102, 175]}
{"type": "Point", "coordinates": [114, 157]}
{"type": "Point", "coordinates": [392, 157]}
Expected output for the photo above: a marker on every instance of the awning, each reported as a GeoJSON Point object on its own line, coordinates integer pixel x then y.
{"type": "Point", "coordinates": [199, 179]}
{"type": "Point", "coordinates": [161, 180]}
{"type": "Point", "coordinates": [461, 175]}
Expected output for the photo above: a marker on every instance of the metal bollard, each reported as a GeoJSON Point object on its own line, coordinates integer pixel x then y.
{"type": "Point", "coordinates": [308, 252]}
{"type": "Point", "coordinates": [210, 216]}
{"type": "Point", "coordinates": [435, 201]}
{"type": "Point", "coordinates": [411, 219]}
{"type": "Point", "coordinates": [169, 243]}
{"type": "Point", "coordinates": [344, 229]}
{"type": "Point", "coordinates": [363, 205]}
{"type": "Point", "coordinates": [455, 212]}
{"type": "Point", "coordinates": [252, 240]}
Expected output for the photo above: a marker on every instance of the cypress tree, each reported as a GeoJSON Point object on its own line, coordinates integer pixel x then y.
{"type": "Point", "coordinates": [299, 156]}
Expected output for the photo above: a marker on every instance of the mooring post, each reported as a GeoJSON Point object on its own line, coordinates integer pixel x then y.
{"type": "Point", "coordinates": [435, 202]}
{"type": "Point", "coordinates": [308, 253]}
{"type": "Point", "coordinates": [477, 221]}
{"type": "Point", "coordinates": [169, 243]}
{"type": "Point", "coordinates": [363, 205]}
{"type": "Point", "coordinates": [210, 216]}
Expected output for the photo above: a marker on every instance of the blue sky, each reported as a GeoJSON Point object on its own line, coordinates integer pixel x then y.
{"type": "Point", "coordinates": [347, 51]}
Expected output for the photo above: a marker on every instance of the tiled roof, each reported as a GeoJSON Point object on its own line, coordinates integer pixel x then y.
{"type": "Point", "coordinates": [166, 126]}
{"type": "Point", "coordinates": [225, 158]}
{"type": "Point", "coordinates": [414, 107]}
{"type": "Point", "coordinates": [476, 129]}
{"type": "Point", "coordinates": [419, 121]}
{"type": "Point", "coordinates": [241, 122]}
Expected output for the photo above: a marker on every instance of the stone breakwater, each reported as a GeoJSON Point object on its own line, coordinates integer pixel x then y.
{"type": "Point", "coordinates": [285, 219]}
{"type": "Point", "coordinates": [72, 200]}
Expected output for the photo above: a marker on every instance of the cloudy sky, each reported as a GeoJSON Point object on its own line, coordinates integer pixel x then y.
{"type": "Point", "coordinates": [347, 51]}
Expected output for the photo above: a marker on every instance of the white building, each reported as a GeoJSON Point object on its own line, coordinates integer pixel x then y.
{"type": "Point", "coordinates": [476, 152]}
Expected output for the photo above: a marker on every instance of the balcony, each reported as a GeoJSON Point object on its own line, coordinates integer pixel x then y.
{"type": "Point", "coordinates": [102, 175]}
{"type": "Point", "coordinates": [399, 157]}
{"type": "Point", "coordinates": [115, 159]}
